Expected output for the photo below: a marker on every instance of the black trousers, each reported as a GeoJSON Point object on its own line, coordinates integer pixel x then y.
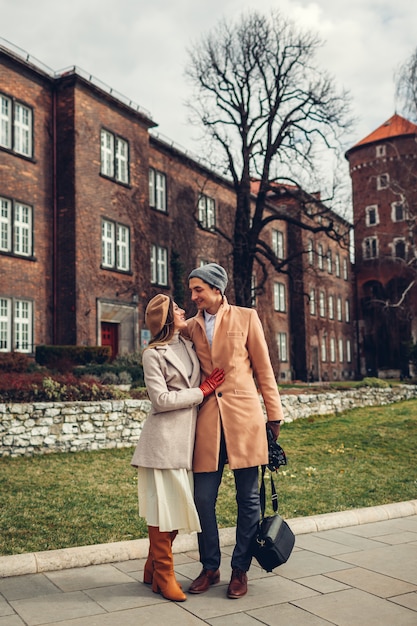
{"type": "Point", "coordinates": [206, 488]}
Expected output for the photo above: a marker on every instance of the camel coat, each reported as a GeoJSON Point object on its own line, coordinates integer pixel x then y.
{"type": "Point", "coordinates": [167, 438]}
{"type": "Point", "coordinates": [240, 348]}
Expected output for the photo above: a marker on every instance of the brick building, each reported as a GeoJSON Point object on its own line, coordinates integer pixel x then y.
{"type": "Point", "coordinates": [383, 169]}
{"type": "Point", "coordinates": [98, 214]}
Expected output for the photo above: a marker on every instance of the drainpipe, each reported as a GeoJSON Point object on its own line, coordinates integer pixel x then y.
{"type": "Point", "coordinates": [54, 217]}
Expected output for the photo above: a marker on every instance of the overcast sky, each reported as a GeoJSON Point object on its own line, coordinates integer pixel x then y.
{"type": "Point", "coordinates": [140, 48]}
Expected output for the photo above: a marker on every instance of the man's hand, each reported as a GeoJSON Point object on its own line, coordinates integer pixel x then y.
{"type": "Point", "coordinates": [211, 383]}
{"type": "Point", "coordinates": [274, 427]}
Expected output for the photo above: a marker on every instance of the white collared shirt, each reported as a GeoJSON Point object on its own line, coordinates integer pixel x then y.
{"type": "Point", "coordinates": [210, 321]}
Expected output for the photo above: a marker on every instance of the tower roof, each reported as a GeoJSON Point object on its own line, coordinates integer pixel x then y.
{"type": "Point", "coordinates": [396, 126]}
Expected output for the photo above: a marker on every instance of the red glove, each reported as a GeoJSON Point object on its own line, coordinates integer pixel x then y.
{"type": "Point", "coordinates": [274, 427]}
{"type": "Point", "coordinates": [211, 383]}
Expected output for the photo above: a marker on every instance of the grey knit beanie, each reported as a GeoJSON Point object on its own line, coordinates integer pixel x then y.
{"type": "Point", "coordinates": [212, 274]}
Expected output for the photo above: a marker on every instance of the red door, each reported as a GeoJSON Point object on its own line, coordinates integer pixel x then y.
{"type": "Point", "coordinates": [110, 337]}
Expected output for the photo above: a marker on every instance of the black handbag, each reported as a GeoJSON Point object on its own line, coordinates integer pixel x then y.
{"type": "Point", "coordinates": [274, 539]}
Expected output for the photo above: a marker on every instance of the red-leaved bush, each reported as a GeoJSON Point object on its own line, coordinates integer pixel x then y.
{"type": "Point", "coordinates": [38, 387]}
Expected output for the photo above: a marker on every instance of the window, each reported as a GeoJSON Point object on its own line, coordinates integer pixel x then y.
{"type": "Point", "coordinates": [159, 265]}
{"type": "Point", "coordinates": [347, 311]}
{"type": "Point", "coordinates": [331, 307]}
{"type": "Point", "coordinates": [380, 151]}
{"type": "Point", "coordinates": [382, 181]}
{"type": "Point", "coordinates": [320, 256]}
{"type": "Point", "coordinates": [337, 265]}
{"type": "Point", "coordinates": [398, 212]}
{"type": "Point", "coordinates": [312, 302]}
{"type": "Point", "coordinates": [278, 243]}
{"type": "Point", "coordinates": [310, 251]}
{"type": "Point", "coordinates": [332, 349]}
{"type": "Point", "coordinates": [157, 190]}
{"type": "Point", "coordinates": [206, 212]}
{"type": "Point", "coordinates": [399, 248]}
{"type": "Point", "coordinates": [15, 228]}
{"type": "Point", "coordinates": [16, 126]}
{"type": "Point", "coordinates": [114, 157]}
{"type": "Point", "coordinates": [348, 351]}
{"type": "Point", "coordinates": [322, 307]}
{"type": "Point", "coordinates": [339, 308]}
{"type": "Point", "coordinates": [370, 248]}
{"type": "Point", "coordinates": [345, 269]}
{"type": "Point", "coordinates": [16, 323]}
{"type": "Point", "coordinates": [115, 246]}
{"type": "Point", "coordinates": [279, 297]}
{"type": "Point", "coordinates": [323, 349]}
{"type": "Point", "coordinates": [371, 215]}
{"type": "Point", "coordinates": [340, 350]}
{"type": "Point", "coordinates": [329, 261]}
{"type": "Point", "coordinates": [282, 346]}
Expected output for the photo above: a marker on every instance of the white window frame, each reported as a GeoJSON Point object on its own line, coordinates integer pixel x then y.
{"type": "Point", "coordinates": [370, 248]}
{"type": "Point", "coordinates": [16, 325]}
{"type": "Point", "coordinates": [394, 207]}
{"type": "Point", "coordinates": [320, 259]}
{"type": "Point", "coordinates": [345, 269]}
{"type": "Point", "coordinates": [348, 351]}
{"type": "Point", "coordinates": [322, 304]}
{"type": "Point", "coordinates": [278, 243]}
{"type": "Point", "coordinates": [337, 264]}
{"type": "Point", "coordinates": [159, 265]}
{"type": "Point", "coordinates": [114, 155]}
{"type": "Point", "coordinates": [331, 307]}
{"type": "Point", "coordinates": [310, 251]}
{"type": "Point", "coordinates": [115, 246]}
{"type": "Point", "coordinates": [323, 349]}
{"type": "Point", "coordinates": [380, 151]}
{"type": "Point", "coordinates": [329, 260]}
{"type": "Point", "coordinates": [340, 342]}
{"type": "Point", "coordinates": [16, 126]}
{"type": "Point", "coordinates": [5, 122]}
{"type": "Point", "coordinates": [16, 230]}
{"type": "Point", "coordinates": [207, 212]}
{"type": "Point", "coordinates": [347, 311]}
{"type": "Point", "coordinates": [312, 301]}
{"type": "Point", "coordinates": [395, 243]}
{"type": "Point", "coordinates": [282, 347]}
{"type": "Point", "coordinates": [157, 190]}
{"type": "Point", "coordinates": [339, 309]}
{"type": "Point", "coordinates": [280, 297]}
{"type": "Point", "coordinates": [372, 209]}
{"type": "Point", "coordinates": [382, 181]}
{"type": "Point", "coordinates": [332, 350]}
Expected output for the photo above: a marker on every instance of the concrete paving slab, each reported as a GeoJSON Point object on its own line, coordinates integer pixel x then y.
{"type": "Point", "coordinates": [322, 584]}
{"type": "Point", "coordinates": [88, 577]}
{"type": "Point", "coordinates": [395, 561]}
{"type": "Point", "coordinates": [352, 607]}
{"type": "Point", "coordinates": [29, 586]}
{"type": "Point", "coordinates": [372, 582]}
{"type": "Point", "coordinates": [286, 614]}
{"type": "Point", "coordinates": [408, 600]}
{"type": "Point", "coordinates": [49, 608]}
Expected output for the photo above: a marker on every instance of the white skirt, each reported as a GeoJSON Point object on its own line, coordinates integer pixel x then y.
{"type": "Point", "coordinates": [166, 499]}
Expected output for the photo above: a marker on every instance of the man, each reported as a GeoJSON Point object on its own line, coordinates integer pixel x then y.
{"type": "Point", "coordinates": [231, 423]}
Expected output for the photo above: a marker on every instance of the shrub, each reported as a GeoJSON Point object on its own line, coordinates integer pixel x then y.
{"type": "Point", "coordinates": [375, 382]}
{"type": "Point", "coordinates": [14, 362]}
{"type": "Point", "coordinates": [63, 358]}
{"type": "Point", "coordinates": [59, 388]}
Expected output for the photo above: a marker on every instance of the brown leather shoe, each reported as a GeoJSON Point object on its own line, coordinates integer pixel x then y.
{"type": "Point", "coordinates": [206, 578]}
{"type": "Point", "coordinates": [238, 585]}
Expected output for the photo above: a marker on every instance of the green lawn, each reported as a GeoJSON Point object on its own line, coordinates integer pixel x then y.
{"type": "Point", "coordinates": [360, 458]}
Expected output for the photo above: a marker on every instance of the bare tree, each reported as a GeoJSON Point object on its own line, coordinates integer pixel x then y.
{"type": "Point", "coordinates": [407, 85]}
{"type": "Point", "coordinates": [271, 111]}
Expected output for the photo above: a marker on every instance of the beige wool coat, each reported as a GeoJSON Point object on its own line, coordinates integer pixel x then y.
{"type": "Point", "coordinates": [167, 438]}
{"type": "Point", "coordinates": [240, 348]}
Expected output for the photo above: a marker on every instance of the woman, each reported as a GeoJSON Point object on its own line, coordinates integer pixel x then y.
{"type": "Point", "coordinates": [165, 448]}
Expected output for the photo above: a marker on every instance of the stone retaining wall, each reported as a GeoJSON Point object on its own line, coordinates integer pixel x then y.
{"type": "Point", "coordinates": [43, 427]}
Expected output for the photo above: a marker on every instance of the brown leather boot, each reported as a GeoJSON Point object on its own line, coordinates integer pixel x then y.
{"type": "Point", "coordinates": [148, 569]}
{"type": "Point", "coordinates": [163, 580]}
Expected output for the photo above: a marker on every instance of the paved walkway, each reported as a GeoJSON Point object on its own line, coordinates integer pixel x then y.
{"type": "Point", "coordinates": [355, 567]}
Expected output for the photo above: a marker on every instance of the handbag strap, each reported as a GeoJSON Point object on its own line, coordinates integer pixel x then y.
{"type": "Point", "coordinates": [274, 495]}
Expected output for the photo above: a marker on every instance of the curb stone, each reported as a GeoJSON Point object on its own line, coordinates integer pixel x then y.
{"type": "Point", "coordinates": [83, 556]}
